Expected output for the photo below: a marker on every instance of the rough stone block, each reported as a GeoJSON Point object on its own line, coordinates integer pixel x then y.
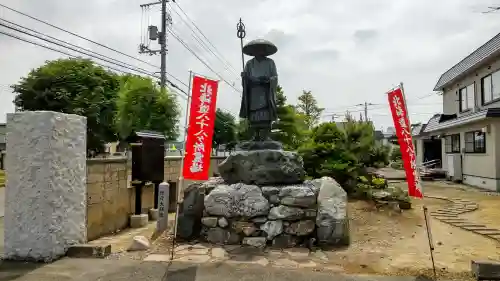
{"type": "Point", "coordinates": [45, 211]}
{"type": "Point", "coordinates": [332, 221]}
{"type": "Point", "coordinates": [263, 167]}
{"type": "Point", "coordinates": [486, 270]}
{"type": "Point", "coordinates": [89, 251]}
{"type": "Point", "coordinates": [138, 221]}
{"type": "Point", "coordinates": [153, 214]}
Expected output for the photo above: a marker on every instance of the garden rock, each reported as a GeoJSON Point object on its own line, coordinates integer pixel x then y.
{"type": "Point", "coordinates": [246, 228]}
{"type": "Point", "coordinates": [210, 221]}
{"type": "Point", "coordinates": [332, 221]}
{"type": "Point", "coordinates": [191, 212]}
{"type": "Point", "coordinates": [285, 241]}
{"type": "Point", "coordinates": [298, 196]}
{"type": "Point", "coordinates": [263, 167]}
{"type": "Point", "coordinates": [221, 236]}
{"type": "Point", "coordinates": [272, 228]}
{"type": "Point", "coordinates": [139, 243]}
{"type": "Point", "coordinates": [301, 228]}
{"type": "Point", "coordinates": [223, 222]}
{"type": "Point", "coordinates": [282, 212]}
{"type": "Point", "coordinates": [236, 200]}
{"type": "Point", "coordinates": [258, 242]}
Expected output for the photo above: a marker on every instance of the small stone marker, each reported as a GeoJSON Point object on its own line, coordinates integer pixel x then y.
{"type": "Point", "coordinates": [163, 197]}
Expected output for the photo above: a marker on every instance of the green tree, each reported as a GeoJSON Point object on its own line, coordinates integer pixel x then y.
{"type": "Point", "coordinates": [342, 153]}
{"type": "Point", "coordinates": [75, 86]}
{"type": "Point", "coordinates": [141, 105]}
{"type": "Point", "coordinates": [225, 129]}
{"type": "Point", "coordinates": [242, 131]}
{"type": "Point", "coordinates": [308, 106]}
{"type": "Point", "coordinates": [290, 128]}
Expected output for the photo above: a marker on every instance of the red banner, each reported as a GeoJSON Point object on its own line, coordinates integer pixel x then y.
{"type": "Point", "coordinates": [198, 146]}
{"type": "Point", "coordinates": [400, 117]}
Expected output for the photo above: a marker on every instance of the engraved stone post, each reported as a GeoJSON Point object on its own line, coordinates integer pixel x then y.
{"type": "Point", "coordinates": [45, 210]}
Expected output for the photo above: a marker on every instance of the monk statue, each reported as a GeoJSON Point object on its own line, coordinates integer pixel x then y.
{"type": "Point", "coordinates": [259, 81]}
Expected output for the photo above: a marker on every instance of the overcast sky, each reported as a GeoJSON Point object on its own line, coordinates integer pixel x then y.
{"type": "Point", "coordinates": [345, 52]}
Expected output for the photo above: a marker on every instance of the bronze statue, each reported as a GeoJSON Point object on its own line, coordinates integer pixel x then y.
{"type": "Point", "coordinates": [259, 81]}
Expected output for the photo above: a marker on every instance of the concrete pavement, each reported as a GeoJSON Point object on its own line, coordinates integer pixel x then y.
{"type": "Point", "coordinates": [114, 270]}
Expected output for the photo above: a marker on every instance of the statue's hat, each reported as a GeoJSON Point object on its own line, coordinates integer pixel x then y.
{"type": "Point", "coordinates": [259, 47]}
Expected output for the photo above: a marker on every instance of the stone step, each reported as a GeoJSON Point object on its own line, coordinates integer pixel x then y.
{"type": "Point", "coordinates": [466, 224]}
{"type": "Point", "coordinates": [486, 270]}
{"type": "Point", "coordinates": [482, 229]}
{"type": "Point", "coordinates": [445, 213]}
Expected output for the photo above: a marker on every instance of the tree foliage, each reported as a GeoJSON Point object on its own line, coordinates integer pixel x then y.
{"type": "Point", "coordinates": [290, 128]}
{"type": "Point", "coordinates": [342, 153]}
{"type": "Point", "coordinates": [75, 86]}
{"type": "Point", "coordinates": [225, 129]}
{"type": "Point", "coordinates": [142, 105]}
{"type": "Point", "coordinates": [308, 106]}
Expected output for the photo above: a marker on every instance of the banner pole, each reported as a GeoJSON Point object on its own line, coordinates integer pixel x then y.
{"type": "Point", "coordinates": [424, 208]}
{"type": "Point", "coordinates": [181, 177]}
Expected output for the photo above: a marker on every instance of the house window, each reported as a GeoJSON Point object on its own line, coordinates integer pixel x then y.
{"type": "Point", "coordinates": [475, 142]}
{"type": "Point", "coordinates": [466, 95]}
{"type": "Point", "coordinates": [490, 86]}
{"type": "Point", "coordinates": [452, 143]}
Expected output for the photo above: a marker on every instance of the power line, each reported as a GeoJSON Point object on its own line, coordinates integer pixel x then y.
{"type": "Point", "coordinates": [74, 34]}
{"type": "Point", "coordinates": [177, 37]}
{"type": "Point", "coordinates": [89, 40]}
{"type": "Point", "coordinates": [215, 51]}
{"type": "Point", "coordinates": [56, 39]}
{"type": "Point", "coordinates": [139, 70]}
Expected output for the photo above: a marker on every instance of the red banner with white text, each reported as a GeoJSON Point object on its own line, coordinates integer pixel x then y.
{"type": "Point", "coordinates": [198, 146]}
{"type": "Point", "coordinates": [397, 103]}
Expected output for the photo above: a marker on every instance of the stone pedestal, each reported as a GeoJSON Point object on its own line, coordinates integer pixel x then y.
{"type": "Point", "coordinates": [153, 214]}
{"type": "Point", "coordinates": [263, 167]}
{"type": "Point", "coordinates": [45, 211]}
{"type": "Point", "coordinates": [138, 221]}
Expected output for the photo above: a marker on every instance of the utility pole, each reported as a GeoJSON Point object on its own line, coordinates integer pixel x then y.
{"type": "Point", "coordinates": [366, 104]}
{"type": "Point", "coordinates": [153, 34]}
{"type": "Point", "coordinates": [163, 44]}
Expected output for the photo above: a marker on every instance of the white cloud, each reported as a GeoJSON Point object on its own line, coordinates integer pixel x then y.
{"type": "Point", "coordinates": [345, 52]}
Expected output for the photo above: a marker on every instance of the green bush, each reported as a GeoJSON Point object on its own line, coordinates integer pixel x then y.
{"type": "Point", "coordinates": [342, 153]}
{"type": "Point", "coordinates": [396, 153]}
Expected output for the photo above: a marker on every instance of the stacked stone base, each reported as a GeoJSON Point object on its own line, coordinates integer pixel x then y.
{"type": "Point", "coordinates": [282, 216]}
{"type": "Point", "coordinates": [269, 204]}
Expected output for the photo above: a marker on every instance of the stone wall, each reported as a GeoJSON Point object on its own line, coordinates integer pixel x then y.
{"type": "Point", "coordinates": [111, 198]}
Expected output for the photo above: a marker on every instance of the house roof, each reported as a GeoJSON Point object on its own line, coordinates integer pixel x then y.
{"type": "Point", "coordinates": [441, 122]}
{"type": "Point", "coordinates": [417, 129]}
{"type": "Point", "coordinates": [470, 62]}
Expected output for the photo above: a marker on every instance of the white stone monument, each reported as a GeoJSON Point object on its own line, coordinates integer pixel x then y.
{"type": "Point", "coordinates": [45, 209]}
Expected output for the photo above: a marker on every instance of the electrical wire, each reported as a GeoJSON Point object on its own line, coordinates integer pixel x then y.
{"type": "Point", "coordinates": [73, 56]}
{"type": "Point", "coordinates": [89, 40]}
{"type": "Point", "coordinates": [177, 37]}
{"type": "Point", "coordinates": [215, 51]}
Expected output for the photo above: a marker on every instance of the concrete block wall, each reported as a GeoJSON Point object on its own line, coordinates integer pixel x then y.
{"type": "Point", "coordinates": [111, 198]}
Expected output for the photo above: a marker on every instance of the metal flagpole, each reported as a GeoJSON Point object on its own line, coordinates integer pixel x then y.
{"type": "Point", "coordinates": [241, 33]}
{"type": "Point", "coordinates": [181, 177]}
{"type": "Point", "coordinates": [424, 208]}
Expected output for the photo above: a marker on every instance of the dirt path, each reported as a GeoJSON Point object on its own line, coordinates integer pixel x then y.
{"type": "Point", "coordinates": [389, 242]}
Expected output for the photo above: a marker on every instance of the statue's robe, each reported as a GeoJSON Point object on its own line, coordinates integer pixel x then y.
{"type": "Point", "coordinates": [258, 104]}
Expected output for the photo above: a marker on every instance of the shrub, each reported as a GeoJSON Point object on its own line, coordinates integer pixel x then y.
{"type": "Point", "coordinates": [342, 153]}
{"type": "Point", "coordinates": [396, 153]}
